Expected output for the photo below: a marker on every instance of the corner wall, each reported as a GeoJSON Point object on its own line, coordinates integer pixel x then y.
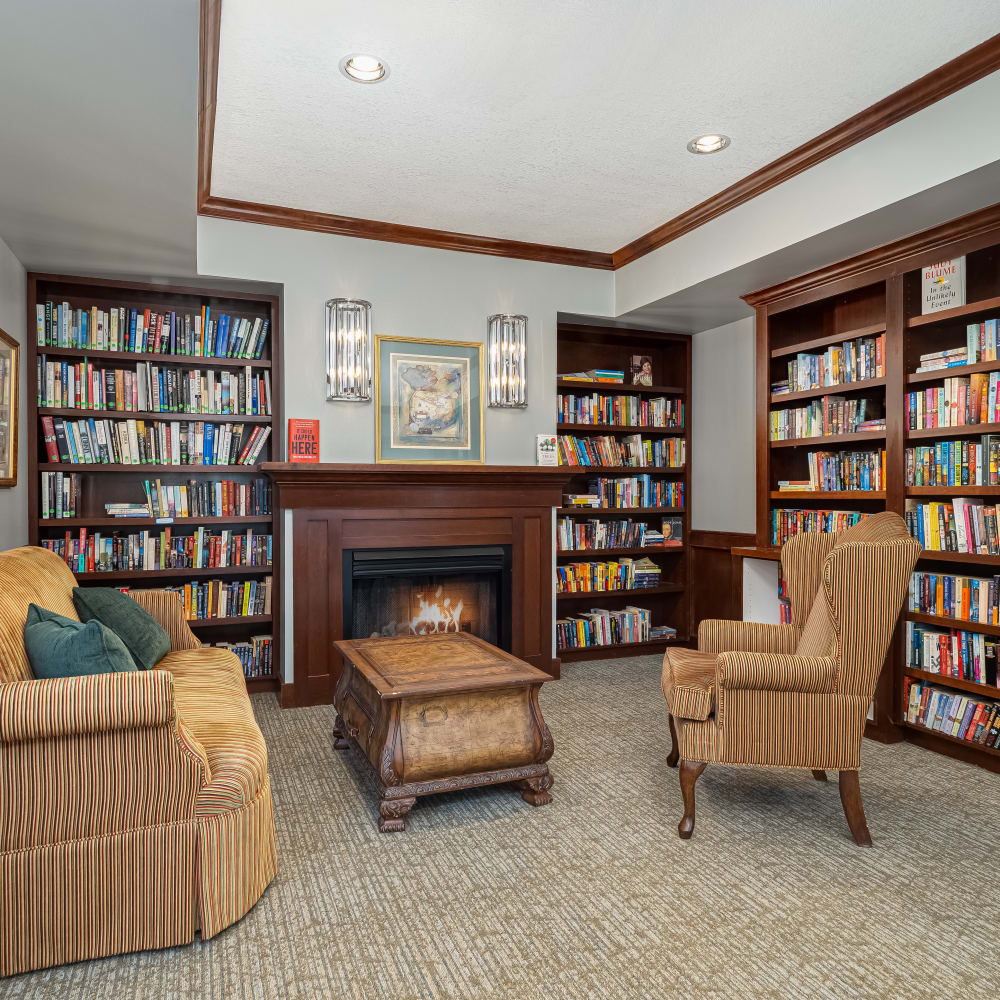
{"type": "Point", "coordinates": [14, 502]}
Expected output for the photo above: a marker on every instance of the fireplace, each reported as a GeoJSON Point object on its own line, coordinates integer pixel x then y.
{"type": "Point", "coordinates": [418, 591]}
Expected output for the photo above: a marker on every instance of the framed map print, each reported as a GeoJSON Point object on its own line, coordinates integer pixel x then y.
{"type": "Point", "coordinates": [428, 400]}
{"type": "Point", "coordinates": [9, 358]}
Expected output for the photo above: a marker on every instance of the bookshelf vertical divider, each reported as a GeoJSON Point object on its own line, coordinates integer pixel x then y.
{"type": "Point", "coordinates": [102, 483]}
{"type": "Point", "coordinates": [880, 291]}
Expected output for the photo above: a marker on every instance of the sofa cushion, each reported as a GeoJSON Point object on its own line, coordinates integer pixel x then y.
{"type": "Point", "coordinates": [210, 693]}
{"type": "Point", "coordinates": [145, 638]}
{"type": "Point", "coordinates": [58, 646]}
{"type": "Point", "coordinates": [688, 683]}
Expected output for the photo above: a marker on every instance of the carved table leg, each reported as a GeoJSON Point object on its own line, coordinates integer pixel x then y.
{"type": "Point", "coordinates": [819, 775]}
{"type": "Point", "coordinates": [340, 734]}
{"type": "Point", "coordinates": [690, 773]}
{"type": "Point", "coordinates": [850, 799]}
{"type": "Point", "coordinates": [535, 791]}
{"type": "Point", "coordinates": [392, 813]}
{"type": "Point", "coordinates": [675, 753]}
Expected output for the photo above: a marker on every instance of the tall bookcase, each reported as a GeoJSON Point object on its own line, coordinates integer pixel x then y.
{"type": "Point", "coordinates": [583, 347]}
{"type": "Point", "coordinates": [879, 292]}
{"type": "Point", "coordinates": [103, 483]}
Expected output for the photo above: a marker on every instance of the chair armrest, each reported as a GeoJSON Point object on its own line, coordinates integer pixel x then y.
{"type": "Point", "coordinates": [718, 636]}
{"type": "Point", "coordinates": [776, 672]}
{"type": "Point", "coordinates": [166, 607]}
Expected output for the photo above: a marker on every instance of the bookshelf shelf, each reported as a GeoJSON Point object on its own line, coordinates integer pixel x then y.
{"type": "Point", "coordinates": [959, 683]}
{"type": "Point", "coordinates": [859, 495]}
{"type": "Point", "coordinates": [953, 491]}
{"type": "Point", "coordinates": [965, 430]}
{"type": "Point", "coordinates": [105, 483]}
{"type": "Point", "coordinates": [619, 388]}
{"type": "Point", "coordinates": [583, 347]}
{"type": "Point", "coordinates": [815, 343]}
{"type": "Point", "coordinates": [943, 621]}
{"type": "Point", "coordinates": [620, 429]}
{"type": "Point", "coordinates": [991, 304]}
{"type": "Point", "coordinates": [841, 389]}
{"type": "Point", "coordinates": [216, 418]}
{"type": "Point", "coordinates": [957, 371]}
{"type": "Point", "coordinates": [973, 749]}
{"type": "Point", "coordinates": [858, 437]}
{"type": "Point", "coordinates": [975, 558]}
{"type": "Point", "coordinates": [185, 360]}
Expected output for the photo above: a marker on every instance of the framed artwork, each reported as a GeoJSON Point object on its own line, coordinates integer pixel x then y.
{"type": "Point", "coordinates": [10, 352]}
{"type": "Point", "coordinates": [429, 398]}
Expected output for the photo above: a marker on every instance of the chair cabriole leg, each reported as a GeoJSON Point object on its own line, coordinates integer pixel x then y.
{"type": "Point", "coordinates": [690, 772]}
{"type": "Point", "coordinates": [850, 798]}
{"type": "Point", "coordinates": [675, 753]}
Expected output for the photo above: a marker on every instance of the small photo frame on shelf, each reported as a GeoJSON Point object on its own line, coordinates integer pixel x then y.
{"type": "Point", "coordinates": [641, 367]}
{"type": "Point", "coordinates": [429, 397]}
{"type": "Point", "coordinates": [10, 356]}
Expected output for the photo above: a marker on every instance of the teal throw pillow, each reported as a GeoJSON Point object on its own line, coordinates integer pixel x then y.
{"type": "Point", "coordinates": [144, 637]}
{"type": "Point", "coordinates": [61, 647]}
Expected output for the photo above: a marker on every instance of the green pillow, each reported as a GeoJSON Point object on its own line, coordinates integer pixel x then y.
{"type": "Point", "coordinates": [61, 647]}
{"type": "Point", "coordinates": [144, 637]}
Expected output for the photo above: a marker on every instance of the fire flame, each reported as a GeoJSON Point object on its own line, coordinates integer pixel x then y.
{"type": "Point", "coordinates": [441, 616]}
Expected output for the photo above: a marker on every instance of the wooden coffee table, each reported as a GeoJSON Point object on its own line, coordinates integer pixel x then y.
{"type": "Point", "coordinates": [435, 713]}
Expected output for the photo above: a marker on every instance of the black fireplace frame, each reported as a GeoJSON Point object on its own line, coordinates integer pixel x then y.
{"type": "Point", "coordinates": [442, 560]}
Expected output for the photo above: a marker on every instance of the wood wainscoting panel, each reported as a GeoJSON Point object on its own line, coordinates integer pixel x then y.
{"type": "Point", "coordinates": [714, 588]}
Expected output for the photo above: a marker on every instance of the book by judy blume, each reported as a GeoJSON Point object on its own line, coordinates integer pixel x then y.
{"type": "Point", "coordinates": [943, 285]}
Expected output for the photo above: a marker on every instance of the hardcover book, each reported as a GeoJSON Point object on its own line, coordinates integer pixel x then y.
{"type": "Point", "coordinates": [943, 285]}
{"type": "Point", "coordinates": [303, 440]}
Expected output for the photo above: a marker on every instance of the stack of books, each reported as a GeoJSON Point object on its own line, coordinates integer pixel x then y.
{"type": "Point", "coordinates": [581, 500]}
{"type": "Point", "coordinates": [127, 509]}
{"type": "Point", "coordinates": [610, 375]}
{"type": "Point", "coordinates": [647, 573]}
{"type": "Point", "coordinates": [662, 632]}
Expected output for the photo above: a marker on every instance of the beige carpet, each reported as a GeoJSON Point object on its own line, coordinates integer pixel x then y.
{"type": "Point", "coordinates": [594, 895]}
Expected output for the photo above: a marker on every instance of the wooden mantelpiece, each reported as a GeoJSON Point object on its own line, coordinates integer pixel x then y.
{"type": "Point", "coordinates": [337, 507]}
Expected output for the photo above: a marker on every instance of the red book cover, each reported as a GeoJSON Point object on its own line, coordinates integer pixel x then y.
{"type": "Point", "coordinates": [49, 429]}
{"type": "Point", "coordinates": [303, 440]}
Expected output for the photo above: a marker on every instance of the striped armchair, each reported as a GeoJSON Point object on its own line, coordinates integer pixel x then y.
{"type": "Point", "coordinates": [134, 808]}
{"type": "Point", "coordinates": [791, 695]}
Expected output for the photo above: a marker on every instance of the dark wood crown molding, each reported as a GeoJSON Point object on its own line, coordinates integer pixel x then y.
{"type": "Point", "coordinates": [879, 262]}
{"type": "Point", "coordinates": [939, 83]}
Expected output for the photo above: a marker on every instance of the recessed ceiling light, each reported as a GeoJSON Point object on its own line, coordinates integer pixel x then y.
{"type": "Point", "coordinates": [708, 143]}
{"type": "Point", "coordinates": [364, 69]}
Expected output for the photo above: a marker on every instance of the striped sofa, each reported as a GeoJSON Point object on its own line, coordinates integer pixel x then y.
{"type": "Point", "coordinates": [134, 808]}
{"type": "Point", "coordinates": [795, 695]}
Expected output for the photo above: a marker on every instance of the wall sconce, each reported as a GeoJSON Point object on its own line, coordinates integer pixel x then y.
{"type": "Point", "coordinates": [506, 350]}
{"type": "Point", "coordinates": [349, 350]}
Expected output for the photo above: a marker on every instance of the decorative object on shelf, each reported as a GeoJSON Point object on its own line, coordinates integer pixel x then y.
{"type": "Point", "coordinates": [303, 440]}
{"type": "Point", "coordinates": [506, 346]}
{"type": "Point", "coordinates": [642, 369]}
{"type": "Point", "coordinates": [428, 401]}
{"type": "Point", "coordinates": [349, 350]}
{"type": "Point", "coordinates": [546, 449]}
{"type": "Point", "coordinates": [942, 285]}
{"type": "Point", "coordinates": [10, 356]}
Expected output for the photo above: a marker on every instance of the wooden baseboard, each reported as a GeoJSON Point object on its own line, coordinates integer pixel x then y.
{"type": "Point", "coordinates": [287, 695]}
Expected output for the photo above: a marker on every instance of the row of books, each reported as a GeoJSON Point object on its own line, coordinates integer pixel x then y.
{"type": "Point", "coordinates": [153, 388]}
{"type": "Point", "coordinates": [632, 450]}
{"type": "Point", "coordinates": [601, 627]}
{"type": "Point", "coordinates": [633, 491]}
{"type": "Point", "coordinates": [959, 525]}
{"type": "Point", "coordinates": [948, 595]}
{"type": "Point", "coordinates": [853, 361]}
{"type": "Point", "coordinates": [158, 442]}
{"type": "Point", "coordinates": [208, 498]}
{"type": "Point", "coordinates": [140, 331]}
{"type": "Point", "coordinates": [957, 402]}
{"type": "Point", "coordinates": [208, 599]}
{"type": "Point", "coordinates": [970, 656]}
{"type": "Point", "coordinates": [60, 495]}
{"type": "Point", "coordinates": [954, 463]}
{"type": "Point", "coordinates": [980, 345]}
{"type": "Point", "coordinates": [255, 655]}
{"type": "Point", "coordinates": [962, 716]}
{"type": "Point", "coordinates": [827, 416]}
{"type": "Point", "coordinates": [603, 533]}
{"type": "Point", "coordinates": [98, 552]}
{"type": "Point", "coordinates": [622, 411]}
{"type": "Point", "coordinates": [854, 471]}
{"type": "Point", "coordinates": [607, 576]}
{"type": "Point", "coordinates": [787, 522]}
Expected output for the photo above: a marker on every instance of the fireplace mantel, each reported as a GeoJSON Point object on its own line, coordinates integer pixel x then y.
{"type": "Point", "coordinates": [338, 506]}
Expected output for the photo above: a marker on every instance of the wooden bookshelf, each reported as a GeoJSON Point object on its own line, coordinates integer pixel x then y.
{"type": "Point", "coordinates": [112, 482]}
{"type": "Point", "coordinates": [877, 292]}
{"type": "Point", "coordinates": [841, 389]}
{"type": "Point", "coordinates": [828, 440]}
{"type": "Point", "coordinates": [581, 347]}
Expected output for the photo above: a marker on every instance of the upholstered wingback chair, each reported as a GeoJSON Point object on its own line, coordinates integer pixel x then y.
{"type": "Point", "coordinates": [795, 695]}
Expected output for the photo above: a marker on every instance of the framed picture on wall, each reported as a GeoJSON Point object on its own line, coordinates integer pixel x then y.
{"type": "Point", "coordinates": [10, 353]}
{"type": "Point", "coordinates": [429, 398]}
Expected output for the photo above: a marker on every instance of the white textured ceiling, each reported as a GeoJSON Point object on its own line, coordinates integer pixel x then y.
{"type": "Point", "coordinates": [560, 122]}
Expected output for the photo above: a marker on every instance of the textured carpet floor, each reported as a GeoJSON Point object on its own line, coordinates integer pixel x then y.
{"type": "Point", "coordinates": [594, 895]}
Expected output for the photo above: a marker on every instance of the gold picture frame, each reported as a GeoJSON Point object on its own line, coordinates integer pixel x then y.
{"type": "Point", "coordinates": [451, 429]}
{"type": "Point", "coordinates": [10, 362]}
